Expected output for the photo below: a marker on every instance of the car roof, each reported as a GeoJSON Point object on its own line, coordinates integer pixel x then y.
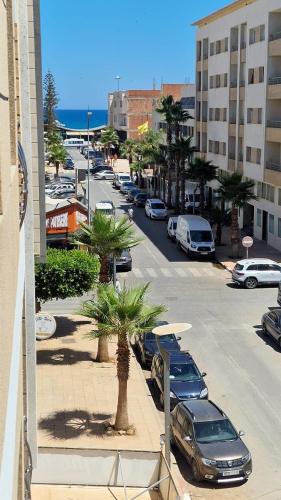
{"type": "Point", "coordinates": [180, 357]}
{"type": "Point", "coordinates": [156, 200]}
{"type": "Point", "coordinates": [256, 261]}
{"type": "Point", "coordinates": [196, 222]}
{"type": "Point", "coordinates": [173, 218]}
{"type": "Point", "coordinates": [203, 410]}
{"type": "Point", "coordinates": [103, 205]}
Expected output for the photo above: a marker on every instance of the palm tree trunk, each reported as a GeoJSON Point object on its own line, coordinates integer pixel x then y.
{"type": "Point", "coordinates": [169, 162]}
{"type": "Point", "coordinates": [57, 165]}
{"type": "Point", "coordinates": [235, 232]}
{"type": "Point", "coordinates": [155, 180]}
{"type": "Point", "coordinates": [182, 179]}
{"type": "Point", "coordinates": [164, 186]}
{"type": "Point", "coordinates": [202, 197]}
{"type": "Point", "coordinates": [103, 354]}
{"type": "Point", "coordinates": [177, 192]}
{"type": "Point", "coordinates": [123, 364]}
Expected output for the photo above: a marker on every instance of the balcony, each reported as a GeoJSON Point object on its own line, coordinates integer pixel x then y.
{"type": "Point", "coordinates": [274, 44]}
{"type": "Point", "coordinates": [231, 165]}
{"type": "Point", "coordinates": [272, 173]}
{"type": "Point", "coordinates": [273, 166]}
{"type": "Point", "coordinates": [273, 131]}
{"type": "Point", "coordinates": [242, 83]}
{"type": "Point", "coordinates": [276, 80]}
{"type": "Point", "coordinates": [232, 129]}
{"type": "Point", "coordinates": [233, 84]}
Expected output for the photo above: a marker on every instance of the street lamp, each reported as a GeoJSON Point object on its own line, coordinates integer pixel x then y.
{"type": "Point", "coordinates": [89, 114]}
{"type": "Point", "coordinates": [159, 331]}
{"type": "Point", "coordinates": [117, 78]}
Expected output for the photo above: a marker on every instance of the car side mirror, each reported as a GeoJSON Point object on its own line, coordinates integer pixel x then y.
{"type": "Point", "coordinates": [241, 433]}
{"type": "Point", "coordinates": [178, 338]}
{"type": "Point", "coordinates": [187, 439]}
{"type": "Point", "coordinates": [203, 374]}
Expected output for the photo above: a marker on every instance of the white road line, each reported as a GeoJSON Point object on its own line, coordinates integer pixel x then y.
{"type": "Point", "coordinates": [151, 272]}
{"type": "Point", "coordinates": [208, 271]}
{"type": "Point", "coordinates": [166, 272]}
{"type": "Point", "coordinates": [137, 273]}
{"type": "Point", "coordinates": [194, 271]}
{"type": "Point", "coordinates": [180, 272]}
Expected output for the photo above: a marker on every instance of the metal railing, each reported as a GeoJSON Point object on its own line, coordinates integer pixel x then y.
{"type": "Point", "coordinates": [273, 166]}
{"type": "Point", "coordinates": [274, 123]}
{"type": "Point", "coordinates": [276, 80]}
{"type": "Point", "coordinates": [275, 36]}
{"type": "Point", "coordinates": [242, 83]}
{"type": "Point", "coordinates": [233, 84]}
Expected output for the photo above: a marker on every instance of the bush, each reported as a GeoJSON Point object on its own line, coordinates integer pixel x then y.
{"type": "Point", "coordinates": [66, 273]}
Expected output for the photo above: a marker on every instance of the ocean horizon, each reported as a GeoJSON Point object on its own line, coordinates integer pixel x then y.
{"type": "Point", "coordinates": [77, 118]}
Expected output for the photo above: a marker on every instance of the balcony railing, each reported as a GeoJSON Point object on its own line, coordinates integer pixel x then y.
{"type": "Point", "coordinates": [232, 121]}
{"type": "Point", "coordinates": [234, 47]}
{"type": "Point", "coordinates": [273, 166]}
{"type": "Point", "coordinates": [241, 121]}
{"type": "Point", "coordinates": [276, 80]}
{"type": "Point", "coordinates": [231, 156]}
{"type": "Point", "coordinates": [275, 36]}
{"type": "Point", "coordinates": [243, 44]}
{"type": "Point", "coordinates": [273, 124]}
{"type": "Point", "coordinates": [242, 83]}
{"type": "Point", "coordinates": [233, 83]}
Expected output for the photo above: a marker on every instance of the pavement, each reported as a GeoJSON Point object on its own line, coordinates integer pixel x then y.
{"type": "Point", "coordinates": [54, 492]}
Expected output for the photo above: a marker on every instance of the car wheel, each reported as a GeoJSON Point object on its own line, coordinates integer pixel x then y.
{"type": "Point", "coordinates": [195, 472]}
{"type": "Point", "coordinates": [251, 283]}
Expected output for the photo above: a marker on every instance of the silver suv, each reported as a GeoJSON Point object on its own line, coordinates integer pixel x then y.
{"type": "Point", "coordinates": [254, 272]}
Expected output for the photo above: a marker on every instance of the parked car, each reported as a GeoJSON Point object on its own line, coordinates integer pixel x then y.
{"type": "Point", "coordinates": [100, 168]}
{"type": "Point", "coordinates": [126, 186]}
{"type": "Point", "coordinates": [171, 227]}
{"type": "Point", "coordinates": [210, 443]}
{"type": "Point", "coordinates": [186, 381]}
{"type": "Point", "coordinates": [121, 177]}
{"type": "Point", "coordinates": [132, 193]}
{"type": "Point", "coordinates": [271, 325]}
{"type": "Point", "coordinates": [63, 195]}
{"type": "Point", "coordinates": [105, 206]}
{"type": "Point", "coordinates": [68, 166]}
{"type": "Point", "coordinates": [254, 272]}
{"type": "Point", "coordinates": [124, 262]}
{"type": "Point", "coordinates": [194, 236]}
{"type": "Point", "coordinates": [63, 190]}
{"type": "Point", "coordinates": [147, 347]}
{"type": "Point", "coordinates": [54, 187]}
{"type": "Point", "coordinates": [104, 175]}
{"type": "Point", "coordinates": [140, 199]}
{"type": "Point", "coordinates": [155, 209]}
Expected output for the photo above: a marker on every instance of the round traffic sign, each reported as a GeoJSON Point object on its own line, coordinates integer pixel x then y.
{"type": "Point", "coordinates": [247, 241]}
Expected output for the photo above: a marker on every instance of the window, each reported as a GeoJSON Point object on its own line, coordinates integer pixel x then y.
{"type": "Point", "coordinates": [262, 32]}
{"type": "Point", "coordinates": [252, 36]}
{"type": "Point", "coordinates": [218, 47]}
{"type": "Point", "coordinates": [261, 74]}
{"type": "Point", "coordinates": [224, 148]}
{"type": "Point", "coordinates": [279, 228]}
{"type": "Point", "coordinates": [226, 44]}
{"type": "Point", "coordinates": [210, 114]}
{"type": "Point", "coordinates": [225, 80]}
{"type": "Point", "coordinates": [248, 153]}
{"type": "Point", "coordinates": [259, 115]}
{"type": "Point", "coordinates": [211, 82]}
{"type": "Point", "coordinates": [212, 48]}
{"type": "Point", "coordinates": [279, 197]}
{"type": "Point", "coordinates": [258, 156]}
{"type": "Point", "coordinates": [251, 76]}
{"type": "Point", "coordinates": [217, 81]}
{"type": "Point", "coordinates": [217, 147]}
{"type": "Point", "coordinates": [210, 146]}
{"type": "Point", "coordinates": [270, 193]}
{"type": "Point", "coordinates": [250, 115]}
{"type": "Point", "coordinates": [259, 219]}
{"type": "Point", "coordinates": [224, 114]}
{"type": "Point", "coordinates": [217, 114]}
{"type": "Point", "coordinates": [252, 268]}
{"type": "Point", "coordinates": [263, 267]}
{"type": "Point", "coordinates": [271, 223]}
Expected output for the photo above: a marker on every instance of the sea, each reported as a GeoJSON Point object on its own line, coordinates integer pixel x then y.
{"type": "Point", "coordinates": [77, 118]}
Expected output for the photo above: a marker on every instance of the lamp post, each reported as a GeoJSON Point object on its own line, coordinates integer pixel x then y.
{"type": "Point", "coordinates": [117, 78]}
{"type": "Point", "coordinates": [89, 114]}
{"type": "Point", "coordinates": [159, 331]}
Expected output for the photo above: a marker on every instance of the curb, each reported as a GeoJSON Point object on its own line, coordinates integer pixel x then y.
{"type": "Point", "coordinates": [224, 266]}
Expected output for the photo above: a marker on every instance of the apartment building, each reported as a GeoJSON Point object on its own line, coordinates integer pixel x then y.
{"type": "Point", "coordinates": [129, 109]}
{"type": "Point", "coordinates": [22, 228]}
{"type": "Point", "coordinates": [238, 103]}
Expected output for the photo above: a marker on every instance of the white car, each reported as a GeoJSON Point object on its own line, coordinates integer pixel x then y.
{"type": "Point", "coordinates": [253, 272]}
{"type": "Point", "coordinates": [104, 174]}
{"type": "Point", "coordinates": [51, 189]}
{"type": "Point", "coordinates": [171, 227]}
{"type": "Point", "coordinates": [155, 209]}
{"type": "Point", "coordinates": [69, 190]}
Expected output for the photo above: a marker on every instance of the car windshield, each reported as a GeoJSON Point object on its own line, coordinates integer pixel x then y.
{"type": "Point", "coordinates": [187, 371]}
{"type": "Point", "coordinates": [124, 179]}
{"type": "Point", "coordinates": [170, 337]}
{"type": "Point", "coordinates": [199, 236]}
{"type": "Point", "coordinates": [157, 206]}
{"type": "Point", "coordinates": [218, 430]}
{"type": "Point", "coordinates": [238, 267]}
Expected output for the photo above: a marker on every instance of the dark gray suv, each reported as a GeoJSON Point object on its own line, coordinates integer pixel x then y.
{"type": "Point", "coordinates": [210, 443]}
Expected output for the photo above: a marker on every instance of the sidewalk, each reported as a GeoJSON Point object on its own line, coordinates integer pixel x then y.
{"type": "Point", "coordinates": [52, 492]}
{"type": "Point", "coordinates": [260, 249]}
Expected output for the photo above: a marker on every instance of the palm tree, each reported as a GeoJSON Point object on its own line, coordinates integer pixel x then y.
{"type": "Point", "coordinates": [202, 171]}
{"type": "Point", "coordinates": [166, 109]}
{"type": "Point", "coordinates": [109, 138]}
{"type": "Point", "coordinates": [180, 116]}
{"type": "Point", "coordinates": [122, 314]}
{"type": "Point", "coordinates": [220, 217]}
{"type": "Point", "coordinates": [128, 149]}
{"type": "Point", "coordinates": [106, 237]}
{"type": "Point", "coordinates": [57, 155]}
{"type": "Point", "coordinates": [184, 151]}
{"type": "Point", "coordinates": [233, 189]}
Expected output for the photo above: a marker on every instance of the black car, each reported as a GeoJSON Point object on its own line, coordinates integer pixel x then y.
{"type": "Point", "coordinates": [132, 193]}
{"type": "Point", "coordinates": [186, 381]}
{"type": "Point", "coordinates": [99, 168]}
{"type": "Point", "coordinates": [124, 262]}
{"type": "Point", "coordinates": [140, 199]}
{"type": "Point", "coordinates": [271, 324]}
{"type": "Point", "coordinates": [147, 346]}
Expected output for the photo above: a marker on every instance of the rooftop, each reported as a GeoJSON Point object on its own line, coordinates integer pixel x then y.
{"type": "Point", "coordinates": [239, 4]}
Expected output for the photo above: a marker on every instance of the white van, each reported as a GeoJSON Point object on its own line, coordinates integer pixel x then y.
{"type": "Point", "coordinates": [105, 207]}
{"type": "Point", "coordinates": [121, 177]}
{"type": "Point", "coordinates": [194, 235]}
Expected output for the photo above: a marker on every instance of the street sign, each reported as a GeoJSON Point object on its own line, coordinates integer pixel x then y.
{"type": "Point", "coordinates": [247, 241]}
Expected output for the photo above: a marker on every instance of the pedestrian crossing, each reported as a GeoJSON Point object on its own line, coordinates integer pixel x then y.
{"type": "Point", "coordinates": [172, 272]}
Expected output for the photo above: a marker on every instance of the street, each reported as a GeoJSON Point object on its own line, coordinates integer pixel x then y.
{"type": "Point", "coordinates": [243, 369]}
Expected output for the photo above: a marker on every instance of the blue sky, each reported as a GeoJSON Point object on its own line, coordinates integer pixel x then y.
{"type": "Point", "coordinates": [87, 43]}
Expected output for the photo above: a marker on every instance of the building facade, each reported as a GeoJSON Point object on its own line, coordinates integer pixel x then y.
{"type": "Point", "coordinates": [129, 109]}
{"type": "Point", "coordinates": [22, 236]}
{"type": "Point", "coordinates": [238, 104]}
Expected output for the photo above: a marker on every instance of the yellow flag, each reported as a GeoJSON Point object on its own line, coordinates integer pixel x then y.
{"type": "Point", "coordinates": [143, 128]}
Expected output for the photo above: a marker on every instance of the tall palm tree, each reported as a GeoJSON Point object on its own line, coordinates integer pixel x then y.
{"type": "Point", "coordinates": [220, 217]}
{"type": "Point", "coordinates": [106, 237]}
{"type": "Point", "coordinates": [166, 109]}
{"type": "Point", "coordinates": [180, 115]}
{"type": "Point", "coordinates": [57, 155]}
{"type": "Point", "coordinates": [123, 315]}
{"type": "Point", "coordinates": [233, 189]}
{"type": "Point", "coordinates": [202, 171]}
{"type": "Point", "coordinates": [109, 138]}
{"type": "Point", "coordinates": [183, 151]}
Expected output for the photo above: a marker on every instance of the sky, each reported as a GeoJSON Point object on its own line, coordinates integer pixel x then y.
{"type": "Point", "coordinates": [86, 43]}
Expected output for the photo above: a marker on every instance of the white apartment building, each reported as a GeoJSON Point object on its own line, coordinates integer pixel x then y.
{"type": "Point", "coordinates": [238, 103]}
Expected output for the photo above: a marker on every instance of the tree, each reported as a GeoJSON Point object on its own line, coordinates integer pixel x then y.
{"type": "Point", "coordinates": [51, 101]}
{"type": "Point", "coordinates": [184, 151]}
{"type": "Point", "coordinates": [65, 273]}
{"type": "Point", "coordinates": [57, 155]}
{"type": "Point", "coordinates": [166, 109]}
{"type": "Point", "coordinates": [202, 171]}
{"type": "Point", "coordinates": [106, 237]}
{"type": "Point", "coordinates": [179, 116]}
{"type": "Point", "coordinates": [220, 217]}
{"type": "Point", "coordinates": [233, 189]}
{"type": "Point", "coordinates": [123, 315]}
{"type": "Point", "coordinates": [109, 138]}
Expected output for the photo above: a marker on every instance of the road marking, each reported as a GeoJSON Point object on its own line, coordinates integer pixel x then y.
{"type": "Point", "coordinates": [151, 272]}
{"type": "Point", "coordinates": [194, 271]}
{"type": "Point", "coordinates": [166, 272]}
{"type": "Point", "coordinates": [208, 271]}
{"type": "Point", "coordinates": [137, 273]}
{"type": "Point", "coordinates": [180, 272]}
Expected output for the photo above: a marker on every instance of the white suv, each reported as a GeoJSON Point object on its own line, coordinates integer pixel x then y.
{"type": "Point", "coordinates": [254, 272]}
{"type": "Point", "coordinates": [155, 209]}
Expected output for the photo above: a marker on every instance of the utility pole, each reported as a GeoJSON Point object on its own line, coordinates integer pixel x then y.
{"type": "Point", "coordinates": [89, 114]}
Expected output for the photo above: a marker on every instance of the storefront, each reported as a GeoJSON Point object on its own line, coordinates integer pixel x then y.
{"type": "Point", "coordinates": [63, 221]}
